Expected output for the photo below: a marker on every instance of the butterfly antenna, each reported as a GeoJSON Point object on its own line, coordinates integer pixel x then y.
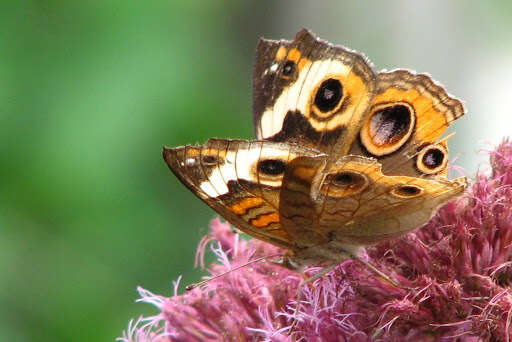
{"type": "Point", "coordinates": [194, 285]}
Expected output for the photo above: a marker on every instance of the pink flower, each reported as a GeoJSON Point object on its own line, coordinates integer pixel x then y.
{"type": "Point", "coordinates": [456, 272]}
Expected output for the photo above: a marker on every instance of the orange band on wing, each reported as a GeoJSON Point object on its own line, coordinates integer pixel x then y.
{"type": "Point", "coordinates": [245, 204]}
{"type": "Point", "coordinates": [294, 55]}
{"type": "Point", "coordinates": [265, 220]}
{"type": "Point", "coordinates": [281, 53]}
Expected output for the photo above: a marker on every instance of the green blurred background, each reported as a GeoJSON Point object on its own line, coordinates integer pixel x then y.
{"type": "Point", "coordinates": [91, 90]}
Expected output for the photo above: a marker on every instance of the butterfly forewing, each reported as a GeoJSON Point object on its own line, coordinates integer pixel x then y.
{"type": "Point", "coordinates": [310, 92]}
{"type": "Point", "coordinates": [241, 180]}
{"type": "Point", "coordinates": [321, 103]}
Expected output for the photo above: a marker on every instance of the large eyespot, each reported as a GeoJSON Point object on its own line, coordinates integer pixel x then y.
{"type": "Point", "coordinates": [432, 159]}
{"type": "Point", "coordinates": [288, 68]}
{"type": "Point", "coordinates": [271, 167]}
{"type": "Point", "coordinates": [327, 97]}
{"type": "Point", "coordinates": [388, 128]}
{"type": "Point", "coordinates": [344, 183]}
{"type": "Point", "coordinates": [406, 191]}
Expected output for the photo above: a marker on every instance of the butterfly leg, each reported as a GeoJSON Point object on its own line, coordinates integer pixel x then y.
{"type": "Point", "coordinates": [194, 285]}
{"type": "Point", "coordinates": [286, 261]}
{"type": "Point", "coordinates": [320, 274]}
{"type": "Point", "coordinates": [376, 270]}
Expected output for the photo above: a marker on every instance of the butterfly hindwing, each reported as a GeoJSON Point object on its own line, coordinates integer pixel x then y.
{"type": "Point", "coordinates": [405, 122]}
{"type": "Point", "coordinates": [353, 202]}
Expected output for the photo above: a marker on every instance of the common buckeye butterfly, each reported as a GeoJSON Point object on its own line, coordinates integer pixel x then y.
{"type": "Point", "coordinates": [344, 157]}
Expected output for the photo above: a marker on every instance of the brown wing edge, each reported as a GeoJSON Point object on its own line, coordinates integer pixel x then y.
{"type": "Point", "coordinates": [387, 78]}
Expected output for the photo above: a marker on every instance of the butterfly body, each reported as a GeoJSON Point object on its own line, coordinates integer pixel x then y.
{"type": "Point", "coordinates": [344, 157]}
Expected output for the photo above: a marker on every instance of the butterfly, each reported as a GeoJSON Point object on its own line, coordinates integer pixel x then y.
{"type": "Point", "coordinates": [344, 157]}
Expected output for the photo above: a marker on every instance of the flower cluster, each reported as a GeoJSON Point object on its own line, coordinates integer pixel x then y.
{"type": "Point", "coordinates": [455, 274]}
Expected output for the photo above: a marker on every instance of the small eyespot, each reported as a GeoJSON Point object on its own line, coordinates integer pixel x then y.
{"type": "Point", "coordinates": [288, 68]}
{"type": "Point", "coordinates": [343, 178]}
{"type": "Point", "coordinates": [344, 183]}
{"type": "Point", "coordinates": [432, 159]}
{"type": "Point", "coordinates": [328, 95]}
{"type": "Point", "coordinates": [272, 167]}
{"type": "Point", "coordinates": [406, 191]}
{"type": "Point", "coordinates": [209, 160]}
{"type": "Point", "coordinates": [348, 179]}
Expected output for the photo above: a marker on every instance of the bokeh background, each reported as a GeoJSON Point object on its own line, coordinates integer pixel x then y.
{"type": "Point", "coordinates": [91, 90]}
